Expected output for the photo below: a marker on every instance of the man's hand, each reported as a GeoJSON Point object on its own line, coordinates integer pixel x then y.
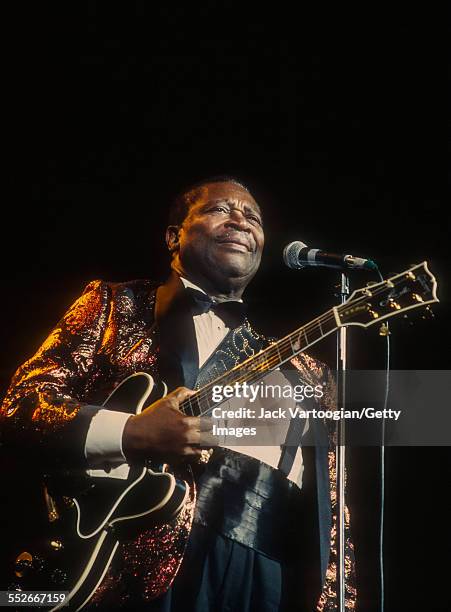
{"type": "Point", "coordinates": [163, 431]}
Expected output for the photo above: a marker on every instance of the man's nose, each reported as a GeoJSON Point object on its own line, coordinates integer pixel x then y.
{"type": "Point", "coordinates": [238, 219]}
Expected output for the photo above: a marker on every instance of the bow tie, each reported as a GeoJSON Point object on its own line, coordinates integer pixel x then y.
{"type": "Point", "coordinates": [231, 312]}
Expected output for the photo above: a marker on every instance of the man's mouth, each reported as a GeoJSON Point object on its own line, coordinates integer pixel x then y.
{"type": "Point", "coordinates": [235, 241]}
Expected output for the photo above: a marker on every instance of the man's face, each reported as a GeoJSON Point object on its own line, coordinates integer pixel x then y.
{"type": "Point", "coordinates": [222, 235]}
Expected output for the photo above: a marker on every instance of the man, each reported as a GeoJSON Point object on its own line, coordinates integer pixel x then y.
{"type": "Point", "coordinates": [251, 546]}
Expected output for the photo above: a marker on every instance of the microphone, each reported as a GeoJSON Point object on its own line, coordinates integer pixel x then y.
{"type": "Point", "coordinates": [297, 255]}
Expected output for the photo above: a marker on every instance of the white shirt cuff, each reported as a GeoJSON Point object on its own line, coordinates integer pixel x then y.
{"type": "Point", "coordinates": [104, 439]}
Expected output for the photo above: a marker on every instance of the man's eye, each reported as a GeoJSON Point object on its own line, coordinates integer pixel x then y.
{"type": "Point", "coordinates": [221, 208]}
{"type": "Point", "coordinates": [255, 219]}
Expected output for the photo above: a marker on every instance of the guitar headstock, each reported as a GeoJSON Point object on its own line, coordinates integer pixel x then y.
{"type": "Point", "coordinates": [414, 288]}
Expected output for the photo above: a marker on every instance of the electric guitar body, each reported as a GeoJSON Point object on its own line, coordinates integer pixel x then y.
{"type": "Point", "coordinates": [116, 504]}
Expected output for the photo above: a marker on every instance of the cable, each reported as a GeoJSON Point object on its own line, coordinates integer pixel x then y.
{"type": "Point", "coordinates": [382, 459]}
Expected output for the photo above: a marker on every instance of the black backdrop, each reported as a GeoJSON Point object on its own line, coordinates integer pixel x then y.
{"type": "Point", "coordinates": [332, 117]}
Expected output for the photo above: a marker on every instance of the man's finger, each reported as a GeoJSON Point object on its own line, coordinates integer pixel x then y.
{"type": "Point", "coordinates": [208, 439]}
{"type": "Point", "coordinates": [181, 394]}
{"type": "Point", "coordinates": [193, 423]}
{"type": "Point", "coordinates": [206, 424]}
{"type": "Point", "coordinates": [193, 437]}
{"type": "Point", "coordinates": [193, 452]}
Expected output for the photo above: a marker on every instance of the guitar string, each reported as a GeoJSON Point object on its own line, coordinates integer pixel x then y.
{"type": "Point", "coordinates": [278, 347]}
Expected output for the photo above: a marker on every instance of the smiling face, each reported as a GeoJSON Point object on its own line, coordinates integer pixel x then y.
{"type": "Point", "coordinates": [220, 242]}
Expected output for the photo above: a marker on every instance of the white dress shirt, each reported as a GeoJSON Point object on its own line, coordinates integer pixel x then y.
{"type": "Point", "coordinates": [104, 438]}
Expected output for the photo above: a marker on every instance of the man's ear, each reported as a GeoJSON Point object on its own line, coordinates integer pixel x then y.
{"type": "Point", "coordinates": [172, 237]}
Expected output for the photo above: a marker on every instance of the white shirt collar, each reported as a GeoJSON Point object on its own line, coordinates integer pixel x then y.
{"type": "Point", "coordinates": [188, 283]}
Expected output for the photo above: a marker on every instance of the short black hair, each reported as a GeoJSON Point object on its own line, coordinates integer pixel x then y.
{"type": "Point", "coordinates": [182, 202]}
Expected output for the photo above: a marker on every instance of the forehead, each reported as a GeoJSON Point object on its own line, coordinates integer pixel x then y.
{"type": "Point", "coordinates": [224, 191]}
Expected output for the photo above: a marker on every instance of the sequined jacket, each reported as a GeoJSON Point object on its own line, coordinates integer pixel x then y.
{"type": "Point", "coordinates": [106, 335]}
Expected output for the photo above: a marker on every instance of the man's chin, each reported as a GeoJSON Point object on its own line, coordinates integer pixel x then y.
{"type": "Point", "coordinates": [233, 264]}
{"type": "Point", "coordinates": [233, 267]}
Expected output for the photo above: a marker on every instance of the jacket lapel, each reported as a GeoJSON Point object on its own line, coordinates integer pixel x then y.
{"type": "Point", "coordinates": [179, 357]}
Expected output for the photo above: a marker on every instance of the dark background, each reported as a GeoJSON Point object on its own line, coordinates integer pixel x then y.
{"type": "Point", "coordinates": [333, 118]}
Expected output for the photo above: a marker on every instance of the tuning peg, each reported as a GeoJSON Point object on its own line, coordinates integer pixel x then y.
{"type": "Point", "coordinates": [373, 313]}
{"type": "Point", "coordinates": [394, 304]}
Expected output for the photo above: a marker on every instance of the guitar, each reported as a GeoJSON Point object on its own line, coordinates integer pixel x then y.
{"type": "Point", "coordinates": [86, 529]}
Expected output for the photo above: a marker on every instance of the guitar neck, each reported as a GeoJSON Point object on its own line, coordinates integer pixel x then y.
{"type": "Point", "coordinates": [254, 368]}
{"type": "Point", "coordinates": [413, 288]}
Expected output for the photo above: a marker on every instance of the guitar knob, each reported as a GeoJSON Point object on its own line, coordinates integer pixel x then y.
{"type": "Point", "coordinates": [23, 564]}
{"type": "Point", "coordinates": [56, 544]}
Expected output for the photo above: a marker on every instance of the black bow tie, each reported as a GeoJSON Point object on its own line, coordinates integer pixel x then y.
{"type": "Point", "coordinates": [232, 312]}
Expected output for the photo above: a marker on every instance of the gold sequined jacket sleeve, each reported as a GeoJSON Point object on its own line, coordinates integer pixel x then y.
{"type": "Point", "coordinates": [42, 412]}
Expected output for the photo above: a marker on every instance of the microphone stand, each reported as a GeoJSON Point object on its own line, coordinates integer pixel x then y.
{"type": "Point", "coordinates": [340, 452]}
